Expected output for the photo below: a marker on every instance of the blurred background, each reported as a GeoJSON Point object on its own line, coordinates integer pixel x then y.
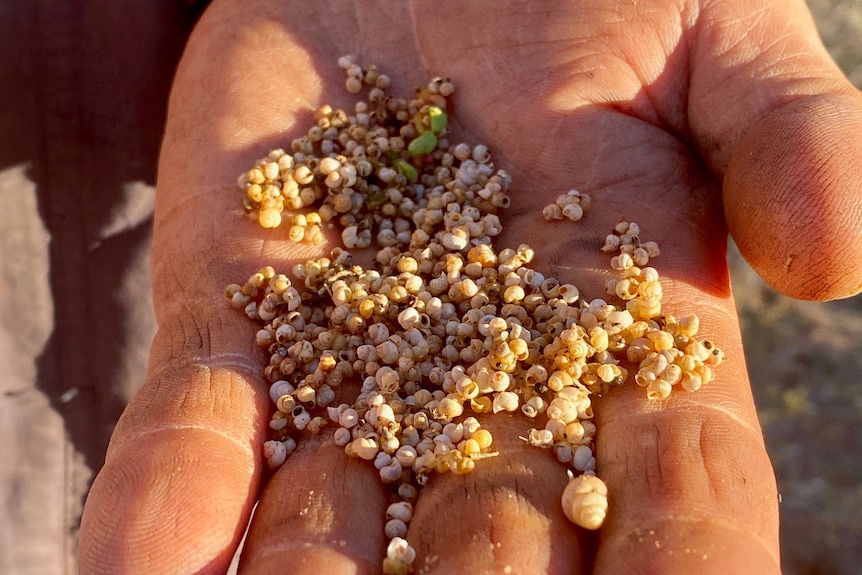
{"type": "Point", "coordinates": [805, 361]}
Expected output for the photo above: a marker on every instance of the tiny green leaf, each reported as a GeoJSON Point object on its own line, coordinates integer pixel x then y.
{"type": "Point", "coordinates": [423, 144]}
{"type": "Point", "coordinates": [438, 119]}
{"type": "Point", "coordinates": [407, 169]}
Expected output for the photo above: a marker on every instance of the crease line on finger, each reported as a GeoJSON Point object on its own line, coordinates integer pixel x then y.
{"type": "Point", "coordinates": [154, 430]}
{"type": "Point", "coordinates": [201, 374]}
{"type": "Point", "coordinates": [688, 409]}
{"type": "Point", "coordinates": [748, 426]}
{"type": "Point", "coordinates": [191, 196]}
{"type": "Point", "coordinates": [233, 362]}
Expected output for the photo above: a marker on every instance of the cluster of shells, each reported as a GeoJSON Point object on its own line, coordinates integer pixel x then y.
{"type": "Point", "coordinates": [443, 326]}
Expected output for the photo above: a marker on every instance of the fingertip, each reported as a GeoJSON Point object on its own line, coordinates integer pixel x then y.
{"type": "Point", "coordinates": [793, 197]}
{"type": "Point", "coordinates": [175, 502]}
{"type": "Point", "coordinates": [691, 488]}
{"type": "Point", "coordinates": [509, 517]}
{"type": "Point", "coordinates": [684, 546]}
{"type": "Point", "coordinates": [321, 512]}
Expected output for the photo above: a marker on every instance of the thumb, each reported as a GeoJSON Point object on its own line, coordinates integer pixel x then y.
{"type": "Point", "coordinates": [772, 112]}
{"type": "Point", "coordinates": [793, 197]}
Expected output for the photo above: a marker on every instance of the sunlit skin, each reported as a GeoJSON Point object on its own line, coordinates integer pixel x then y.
{"type": "Point", "coordinates": [690, 118]}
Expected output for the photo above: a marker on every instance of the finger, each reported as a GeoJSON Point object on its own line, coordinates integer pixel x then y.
{"type": "Point", "coordinates": [183, 467]}
{"type": "Point", "coordinates": [688, 478]}
{"type": "Point", "coordinates": [793, 197]}
{"type": "Point", "coordinates": [504, 517]}
{"type": "Point", "coordinates": [176, 491]}
{"type": "Point", "coordinates": [322, 512]}
{"type": "Point", "coordinates": [770, 110]}
{"type": "Point", "coordinates": [691, 487]}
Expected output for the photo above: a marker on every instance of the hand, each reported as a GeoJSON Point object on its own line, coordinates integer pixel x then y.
{"type": "Point", "coordinates": [649, 108]}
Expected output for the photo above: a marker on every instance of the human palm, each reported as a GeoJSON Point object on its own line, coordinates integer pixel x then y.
{"type": "Point", "coordinates": [649, 108]}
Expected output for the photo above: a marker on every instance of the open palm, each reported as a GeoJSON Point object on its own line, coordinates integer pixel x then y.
{"type": "Point", "coordinates": [650, 107]}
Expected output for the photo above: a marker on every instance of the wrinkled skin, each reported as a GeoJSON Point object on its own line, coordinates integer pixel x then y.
{"type": "Point", "coordinates": [687, 118]}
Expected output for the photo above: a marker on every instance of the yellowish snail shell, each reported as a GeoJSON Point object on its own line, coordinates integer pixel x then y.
{"type": "Point", "coordinates": [585, 501]}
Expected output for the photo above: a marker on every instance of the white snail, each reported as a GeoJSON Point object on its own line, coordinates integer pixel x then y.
{"type": "Point", "coordinates": [585, 501]}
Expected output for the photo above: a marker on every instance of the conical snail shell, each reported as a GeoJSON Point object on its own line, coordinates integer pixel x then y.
{"type": "Point", "coordinates": [585, 501]}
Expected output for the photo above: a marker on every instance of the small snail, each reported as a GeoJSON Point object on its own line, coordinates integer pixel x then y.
{"type": "Point", "coordinates": [585, 501]}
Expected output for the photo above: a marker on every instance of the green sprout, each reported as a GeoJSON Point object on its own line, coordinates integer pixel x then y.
{"type": "Point", "coordinates": [406, 168]}
{"type": "Point", "coordinates": [438, 119]}
{"type": "Point", "coordinates": [423, 144]}
{"type": "Point", "coordinates": [426, 141]}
